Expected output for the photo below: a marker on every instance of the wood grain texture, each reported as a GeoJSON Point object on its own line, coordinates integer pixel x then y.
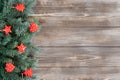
{"type": "Point", "coordinates": [79, 7]}
{"type": "Point", "coordinates": [90, 73]}
{"type": "Point", "coordinates": [79, 39]}
{"type": "Point", "coordinates": [60, 20]}
{"type": "Point", "coordinates": [65, 36]}
{"type": "Point", "coordinates": [79, 63]}
{"type": "Point", "coordinates": [68, 57]}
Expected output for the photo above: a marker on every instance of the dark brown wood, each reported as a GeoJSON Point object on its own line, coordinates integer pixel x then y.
{"type": "Point", "coordinates": [79, 39]}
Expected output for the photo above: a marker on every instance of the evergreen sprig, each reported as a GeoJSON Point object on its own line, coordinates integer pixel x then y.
{"type": "Point", "coordinates": [17, 60]}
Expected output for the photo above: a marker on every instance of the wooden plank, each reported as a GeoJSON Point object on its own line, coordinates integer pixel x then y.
{"type": "Point", "coordinates": [75, 57]}
{"type": "Point", "coordinates": [56, 20]}
{"type": "Point", "coordinates": [78, 63]}
{"type": "Point", "coordinates": [93, 73]}
{"type": "Point", "coordinates": [77, 37]}
{"type": "Point", "coordinates": [79, 7]}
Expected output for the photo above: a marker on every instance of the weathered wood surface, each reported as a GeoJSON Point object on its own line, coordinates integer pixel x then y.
{"type": "Point", "coordinates": [66, 57]}
{"type": "Point", "coordinates": [78, 37]}
{"type": "Point", "coordinates": [79, 40]}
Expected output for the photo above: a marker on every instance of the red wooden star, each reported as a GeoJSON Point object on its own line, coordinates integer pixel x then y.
{"type": "Point", "coordinates": [21, 48]}
{"type": "Point", "coordinates": [7, 30]}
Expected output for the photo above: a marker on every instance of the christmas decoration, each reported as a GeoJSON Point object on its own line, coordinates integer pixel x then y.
{"type": "Point", "coordinates": [9, 67]}
{"type": "Point", "coordinates": [7, 30]}
{"type": "Point", "coordinates": [17, 53]}
{"type": "Point", "coordinates": [28, 72]}
{"type": "Point", "coordinates": [21, 48]}
{"type": "Point", "coordinates": [20, 7]}
{"type": "Point", "coordinates": [33, 27]}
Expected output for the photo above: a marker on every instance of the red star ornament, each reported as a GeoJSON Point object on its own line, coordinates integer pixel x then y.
{"type": "Point", "coordinates": [7, 30]}
{"type": "Point", "coordinates": [21, 48]}
{"type": "Point", "coordinates": [20, 7]}
{"type": "Point", "coordinates": [9, 67]}
{"type": "Point", "coordinates": [28, 72]}
{"type": "Point", "coordinates": [33, 27]}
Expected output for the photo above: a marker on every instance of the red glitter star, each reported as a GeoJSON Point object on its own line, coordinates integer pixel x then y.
{"type": "Point", "coordinates": [28, 72]}
{"type": "Point", "coordinates": [7, 30]}
{"type": "Point", "coordinates": [21, 48]}
{"type": "Point", "coordinates": [20, 7]}
{"type": "Point", "coordinates": [9, 67]}
{"type": "Point", "coordinates": [33, 27]}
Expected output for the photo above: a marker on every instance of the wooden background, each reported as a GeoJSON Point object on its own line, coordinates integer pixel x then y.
{"type": "Point", "coordinates": [79, 40]}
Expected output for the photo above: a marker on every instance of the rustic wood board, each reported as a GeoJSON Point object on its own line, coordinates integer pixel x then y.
{"type": "Point", "coordinates": [79, 63]}
{"type": "Point", "coordinates": [89, 73]}
{"type": "Point", "coordinates": [79, 39]}
{"type": "Point", "coordinates": [66, 57]}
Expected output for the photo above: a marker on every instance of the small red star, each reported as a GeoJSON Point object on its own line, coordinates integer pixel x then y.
{"type": "Point", "coordinates": [28, 72]}
{"type": "Point", "coordinates": [9, 67]}
{"type": "Point", "coordinates": [7, 30]}
{"type": "Point", "coordinates": [21, 48]}
{"type": "Point", "coordinates": [20, 7]}
{"type": "Point", "coordinates": [33, 27]}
